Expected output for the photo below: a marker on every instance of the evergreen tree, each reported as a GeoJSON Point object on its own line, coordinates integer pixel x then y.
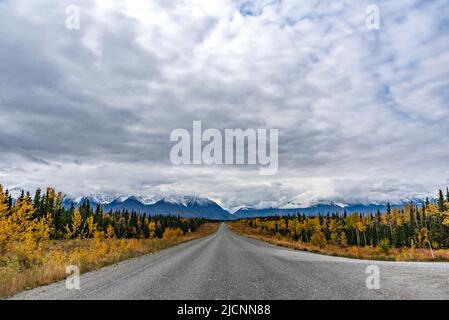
{"type": "Point", "coordinates": [441, 202]}
{"type": "Point", "coordinates": [37, 203]}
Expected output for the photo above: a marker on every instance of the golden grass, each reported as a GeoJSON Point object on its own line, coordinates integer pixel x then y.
{"type": "Point", "coordinates": [20, 270]}
{"type": "Point", "coordinates": [368, 252]}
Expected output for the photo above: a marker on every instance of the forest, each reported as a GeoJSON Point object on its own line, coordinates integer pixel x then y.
{"type": "Point", "coordinates": [40, 237]}
{"type": "Point", "coordinates": [45, 217]}
{"type": "Point", "coordinates": [415, 226]}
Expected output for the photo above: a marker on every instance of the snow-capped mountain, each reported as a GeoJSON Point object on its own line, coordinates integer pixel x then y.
{"type": "Point", "coordinates": [195, 206]}
{"type": "Point", "coordinates": [176, 199]}
{"type": "Point", "coordinates": [100, 198]}
{"type": "Point", "coordinates": [312, 210]}
{"type": "Point", "coordinates": [15, 192]}
{"type": "Point", "coordinates": [296, 205]}
{"type": "Point", "coordinates": [325, 207]}
{"type": "Point", "coordinates": [186, 206]}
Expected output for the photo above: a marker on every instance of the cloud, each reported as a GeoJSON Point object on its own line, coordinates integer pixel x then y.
{"type": "Point", "coordinates": [362, 114]}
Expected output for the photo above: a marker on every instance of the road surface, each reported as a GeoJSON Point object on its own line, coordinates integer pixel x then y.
{"type": "Point", "coordinates": [227, 266]}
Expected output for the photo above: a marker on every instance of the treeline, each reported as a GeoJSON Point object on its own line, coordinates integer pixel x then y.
{"type": "Point", "coordinates": [425, 225]}
{"type": "Point", "coordinates": [44, 216]}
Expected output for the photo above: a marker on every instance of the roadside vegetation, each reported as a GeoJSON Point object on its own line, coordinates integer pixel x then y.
{"type": "Point", "coordinates": [415, 233]}
{"type": "Point", "coordinates": [40, 238]}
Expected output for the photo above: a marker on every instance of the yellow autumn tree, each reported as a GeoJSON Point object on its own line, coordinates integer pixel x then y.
{"type": "Point", "coordinates": [362, 229]}
{"type": "Point", "coordinates": [21, 219]}
{"type": "Point", "coordinates": [75, 230]}
{"type": "Point", "coordinates": [343, 240]}
{"type": "Point", "coordinates": [445, 215]}
{"type": "Point", "coordinates": [19, 228]}
{"type": "Point", "coordinates": [26, 233]}
{"type": "Point", "coordinates": [423, 237]}
{"type": "Point", "coordinates": [54, 200]}
{"type": "Point", "coordinates": [152, 228]}
{"type": "Point", "coordinates": [318, 237]}
{"type": "Point", "coordinates": [91, 226]}
{"type": "Point", "coordinates": [110, 234]}
{"type": "Point", "coordinates": [292, 227]}
{"type": "Point", "coordinates": [43, 228]}
{"type": "Point", "coordinates": [333, 228]}
{"type": "Point", "coordinates": [5, 225]}
{"type": "Point", "coordinates": [172, 233]}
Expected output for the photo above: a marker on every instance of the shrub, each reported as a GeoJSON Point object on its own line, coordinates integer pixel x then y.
{"type": "Point", "coordinates": [171, 233]}
{"type": "Point", "coordinates": [318, 239]}
{"type": "Point", "coordinates": [384, 246]}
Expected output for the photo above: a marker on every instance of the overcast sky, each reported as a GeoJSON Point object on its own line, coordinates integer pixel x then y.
{"type": "Point", "coordinates": [363, 115]}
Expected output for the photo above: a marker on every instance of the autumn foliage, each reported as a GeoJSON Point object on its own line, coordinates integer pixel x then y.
{"type": "Point", "coordinates": [39, 237]}
{"type": "Point", "coordinates": [415, 232]}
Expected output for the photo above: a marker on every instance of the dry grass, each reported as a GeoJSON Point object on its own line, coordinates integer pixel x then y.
{"type": "Point", "coordinates": [20, 270]}
{"type": "Point", "coordinates": [368, 252]}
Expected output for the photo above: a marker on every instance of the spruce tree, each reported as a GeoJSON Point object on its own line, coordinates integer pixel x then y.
{"type": "Point", "coordinates": [37, 200]}
{"type": "Point", "coordinates": [441, 203]}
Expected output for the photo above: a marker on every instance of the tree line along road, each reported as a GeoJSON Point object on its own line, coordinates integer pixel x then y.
{"type": "Point", "coordinates": [228, 266]}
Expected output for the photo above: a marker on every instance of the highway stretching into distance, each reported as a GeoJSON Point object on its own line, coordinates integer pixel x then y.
{"type": "Point", "coordinates": [228, 266]}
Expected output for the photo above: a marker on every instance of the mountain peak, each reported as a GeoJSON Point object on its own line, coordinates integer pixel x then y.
{"type": "Point", "coordinates": [187, 206]}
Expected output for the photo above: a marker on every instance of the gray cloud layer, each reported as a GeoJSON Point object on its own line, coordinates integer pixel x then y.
{"type": "Point", "coordinates": [362, 115]}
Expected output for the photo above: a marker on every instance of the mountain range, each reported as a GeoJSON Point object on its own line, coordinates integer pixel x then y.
{"type": "Point", "coordinates": [185, 206]}
{"type": "Point", "coordinates": [192, 206]}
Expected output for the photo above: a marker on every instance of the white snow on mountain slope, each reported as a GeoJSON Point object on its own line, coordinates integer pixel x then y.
{"type": "Point", "coordinates": [15, 192]}
{"type": "Point", "coordinates": [343, 204]}
{"type": "Point", "coordinates": [175, 199]}
{"type": "Point", "coordinates": [299, 205]}
{"type": "Point", "coordinates": [103, 198]}
{"type": "Point", "coordinates": [186, 200]}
